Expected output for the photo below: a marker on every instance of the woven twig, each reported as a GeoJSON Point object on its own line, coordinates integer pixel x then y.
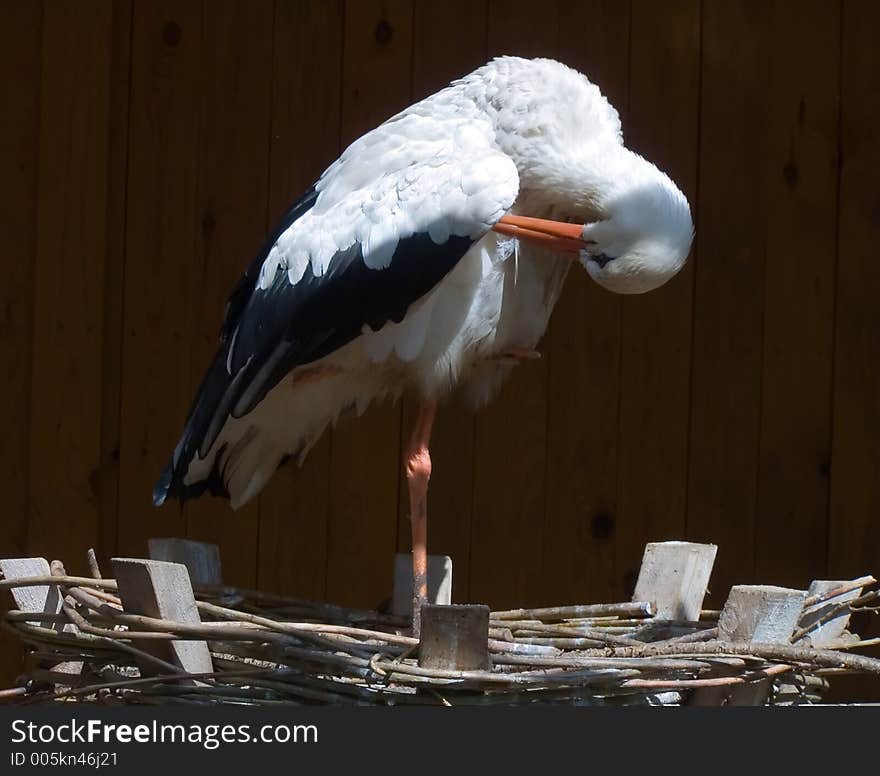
{"type": "Point", "coordinates": [271, 649]}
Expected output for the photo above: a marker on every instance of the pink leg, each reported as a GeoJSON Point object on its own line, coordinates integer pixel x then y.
{"type": "Point", "coordinates": [417, 464]}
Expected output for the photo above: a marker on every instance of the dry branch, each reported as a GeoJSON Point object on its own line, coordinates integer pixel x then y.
{"type": "Point", "coordinates": [270, 649]}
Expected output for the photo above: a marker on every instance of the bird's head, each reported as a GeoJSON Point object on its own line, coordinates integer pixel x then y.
{"type": "Point", "coordinates": [644, 237]}
{"type": "Point", "coordinates": [566, 141]}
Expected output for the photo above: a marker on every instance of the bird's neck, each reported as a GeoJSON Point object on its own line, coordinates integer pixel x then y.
{"type": "Point", "coordinates": [587, 180]}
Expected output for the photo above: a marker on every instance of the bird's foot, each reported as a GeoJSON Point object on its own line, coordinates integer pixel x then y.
{"type": "Point", "coordinates": [513, 356]}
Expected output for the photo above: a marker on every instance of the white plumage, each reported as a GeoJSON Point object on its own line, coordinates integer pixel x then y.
{"type": "Point", "coordinates": [388, 276]}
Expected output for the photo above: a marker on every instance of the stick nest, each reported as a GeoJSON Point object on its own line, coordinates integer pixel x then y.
{"type": "Point", "coordinates": [272, 649]}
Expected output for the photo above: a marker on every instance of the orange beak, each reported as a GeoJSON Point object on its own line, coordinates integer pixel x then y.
{"type": "Point", "coordinates": [558, 236]}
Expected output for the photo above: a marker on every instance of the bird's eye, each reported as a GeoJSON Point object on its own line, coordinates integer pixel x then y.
{"type": "Point", "coordinates": [601, 259]}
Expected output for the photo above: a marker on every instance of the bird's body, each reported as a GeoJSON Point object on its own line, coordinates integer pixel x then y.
{"type": "Point", "coordinates": [500, 303]}
{"type": "Point", "coordinates": [387, 276]}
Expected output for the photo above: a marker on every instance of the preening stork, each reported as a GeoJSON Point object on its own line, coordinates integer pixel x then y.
{"type": "Point", "coordinates": [428, 259]}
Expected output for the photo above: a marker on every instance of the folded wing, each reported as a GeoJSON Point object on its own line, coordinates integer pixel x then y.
{"type": "Point", "coordinates": [381, 228]}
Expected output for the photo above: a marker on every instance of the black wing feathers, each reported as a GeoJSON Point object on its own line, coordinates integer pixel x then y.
{"type": "Point", "coordinates": [269, 331]}
{"type": "Point", "coordinates": [245, 286]}
{"type": "Point", "coordinates": [288, 325]}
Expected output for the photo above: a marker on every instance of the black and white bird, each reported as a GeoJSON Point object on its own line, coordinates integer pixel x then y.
{"type": "Point", "coordinates": [427, 259]}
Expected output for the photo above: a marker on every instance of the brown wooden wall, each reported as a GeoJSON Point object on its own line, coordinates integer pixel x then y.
{"type": "Point", "coordinates": [147, 145]}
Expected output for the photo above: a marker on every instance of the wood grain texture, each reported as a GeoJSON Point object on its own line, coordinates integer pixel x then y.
{"type": "Point", "coordinates": [455, 638]}
{"type": "Point", "coordinates": [149, 146]}
{"type": "Point", "coordinates": [510, 490]}
{"type": "Point", "coordinates": [656, 328]}
{"type": "Point", "coordinates": [159, 589]}
{"type": "Point", "coordinates": [801, 179]}
{"type": "Point", "coordinates": [365, 455]}
{"type": "Point", "coordinates": [202, 559]}
{"type": "Point", "coordinates": [823, 621]}
{"type": "Point", "coordinates": [231, 207]}
{"type": "Point", "coordinates": [106, 481]}
{"type": "Point", "coordinates": [440, 582]}
{"type": "Point", "coordinates": [761, 613]}
{"type": "Point", "coordinates": [305, 138]}
{"type": "Point", "coordinates": [160, 267]}
{"type": "Point", "coordinates": [729, 289]}
{"type": "Point", "coordinates": [438, 29]}
{"type": "Point", "coordinates": [583, 356]}
{"type": "Point", "coordinates": [19, 134]}
{"type": "Point", "coordinates": [674, 576]}
{"type": "Point", "coordinates": [34, 598]}
{"type": "Point", "coordinates": [69, 275]}
{"type": "Point", "coordinates": [510, 447]}
{"type": "Point", "coordinates": [854, 536]}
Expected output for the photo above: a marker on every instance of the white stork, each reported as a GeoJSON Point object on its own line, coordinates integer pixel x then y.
{"type": "Point", "coordinates": [427, 258]}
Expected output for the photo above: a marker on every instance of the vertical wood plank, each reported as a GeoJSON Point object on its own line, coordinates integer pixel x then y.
{"type": "Point", "coordinates": [305, 139]}
{"type": "Point", "coordinates": [231, 208]}
{"type": "Point", "coordinates": [583, 351]}
{"type": "Point", "coordinates": [365, 456]}
{"type": "Point", "coordinates": [760, 613]}
{"type": "Point", "coordinates": [674, 576]}
{"type": "Point", "coordinates": [202, 559]}
{"type": "Point", "coordinates": [455, 638]}
{"type": "Point", "coordinates": [69, 276]}
{"type": "Point", "coordinates": [823, 629]}
{"type": "Point", "coordinates": [161, 239]}
{"type": "Point", "coordinates": [46, 599]}
{"type": "Point", "coordinates": [759, 424]}
{"type": "Point", "coordinates": [656, 329]}
{"type": "Point", "coordinates": [19, 131]}
{"type": "Point", "coordinates": [107, 480]}
{"type": "Point", "coordinates": [509, 489]}
{"type": "Point", "coordinates": [440, 582]}
{"type": "Point", "coordinates": [159, 589]}
{"type": "Point", "coordinates": [444, 49]}
{"type": "Point", "coordinates": [801, 180]}
{"type": "Point", "coordinates": [729, 288]}
{"type": "Point", "coordinates": [855, 469]}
